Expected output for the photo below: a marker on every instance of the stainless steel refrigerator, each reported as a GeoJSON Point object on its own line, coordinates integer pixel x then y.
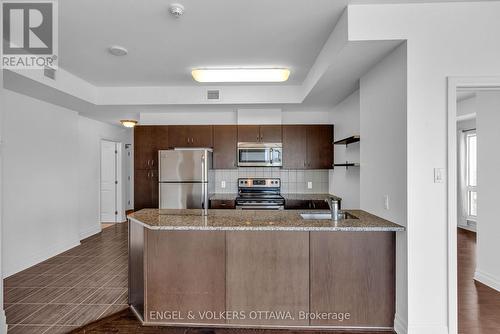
{"type": "Point", "coordinates": [186, 178]}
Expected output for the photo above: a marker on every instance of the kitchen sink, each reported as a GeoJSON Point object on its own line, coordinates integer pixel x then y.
{"type": "Point", "coordinates": [326, 216]}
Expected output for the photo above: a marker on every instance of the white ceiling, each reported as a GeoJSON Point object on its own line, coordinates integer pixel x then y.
{"type": "Point", "coordinates": [215, 33]}
{"type": "Point", "coordinates": [162, 51]}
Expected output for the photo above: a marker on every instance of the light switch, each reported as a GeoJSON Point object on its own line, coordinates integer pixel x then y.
{"type": "Point", "coordinates": [439, 175]}
{"type": "Point", "coordinates": [223, 184]}
{"type": "Point", "coordinates": [386, 202]}
{"type": "Point", "coordinates": [309, 185]}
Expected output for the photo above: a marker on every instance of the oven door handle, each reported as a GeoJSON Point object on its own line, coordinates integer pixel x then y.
{"type": "Point", "coordinates": [259, 207]}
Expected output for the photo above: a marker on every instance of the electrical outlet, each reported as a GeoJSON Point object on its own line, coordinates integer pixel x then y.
{"type": "Point", "coordinates": [223, 184]}
{"type": "Point", "coordinates": [309, 185]}
{"type": "Point", "coordinates": [386, 202]}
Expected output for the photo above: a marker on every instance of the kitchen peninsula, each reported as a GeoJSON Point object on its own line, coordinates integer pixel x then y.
{"type": "Point", "coordinates": [257, 268]}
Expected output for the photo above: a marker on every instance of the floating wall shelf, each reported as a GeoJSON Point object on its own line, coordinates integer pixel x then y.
{"type": "Point", "coordinates": [347, 141]}
{"type": "Point", "coordinates": [347, 165]}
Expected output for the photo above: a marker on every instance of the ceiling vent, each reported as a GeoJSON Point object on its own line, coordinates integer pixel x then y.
{"type": "Point", "coordinates": [213, 95]}
{"type": "Point", "coordinates": [49, 72]}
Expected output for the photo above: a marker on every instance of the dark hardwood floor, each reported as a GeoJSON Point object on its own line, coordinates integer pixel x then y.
{"type": "Point", "coordinates": [478, 305]}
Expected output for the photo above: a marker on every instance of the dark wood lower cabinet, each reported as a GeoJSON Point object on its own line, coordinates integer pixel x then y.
{"type": "Point", "coordinates": [268, 271]}
{"type": "Point", "coordinates": [145, 189]}
{"type": "Point", "coordinates": [222, 204]}
{"type": "Point", "coordinates": [185, 273]}
{"type": "Point", "coordinates": [270, 278]}
{"type": "Point", "coordinates": [353, 272]}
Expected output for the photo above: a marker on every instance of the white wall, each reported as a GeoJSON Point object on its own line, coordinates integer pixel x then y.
{"type": "Point", "coordinates": [444, 39]}
{"type": "Point", "coordinates": [488, 165]}
{"type": "Point", "coordinates": [51, 170]}
{"type": "Point", "coordinates": [383, 155]}
{"type": "Point", "coordinates": [90, 134]}
{"type": "Point", "coordinates": [466, 107]}
{"type": "Point", "coordinates": [3, 322]}
{"type": "Point", "coordinates": [345, 182]}
{"type": "Point", "coordinates": [40, 201]}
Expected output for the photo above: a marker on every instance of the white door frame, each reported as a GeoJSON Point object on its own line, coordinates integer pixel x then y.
{"type": "Point", "coordinates": [455, 83]}
{"type": "Point", "coordinates": [119, 187]}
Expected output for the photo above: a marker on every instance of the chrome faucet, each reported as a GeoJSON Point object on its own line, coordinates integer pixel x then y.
{"type": "Point", "coordinates": [333, 203]}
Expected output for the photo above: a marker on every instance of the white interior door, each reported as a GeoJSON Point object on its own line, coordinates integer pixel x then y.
{"type": "Point", "coordinates": [109, 181]}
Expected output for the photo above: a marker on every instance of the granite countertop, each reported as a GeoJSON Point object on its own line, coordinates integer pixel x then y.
{"type": "Point", "coordinates": [304, 197]}
{"type": "Point", "coordinates": [257, 220]}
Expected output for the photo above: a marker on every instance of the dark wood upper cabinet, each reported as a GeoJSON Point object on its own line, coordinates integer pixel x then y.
{"type": "Point", "coordinates": [178, 136]}
{"type": "Point", "coordinates": [307, 146]}
{"type": "Point", "coordinates": [160, 138]}
{"type": "Point", "coordinates": [259, 133]}
{"type": "Point", "coordinates": [320, 146]}
{"type": "Point", "coordinates": [190, 136]}
{"type": "Point", "coordinates": [143, 147]}
{"type": "Point", "coordinates": [201, 135]}
{"type": "Point", "coordinates": [294, 146]}
{"type": "Point", "coordinates": [249, 133]}
{"type": "Point", "coordinates": [147, 141]}
{"type": "Point", "coordinates": [270, 133]}
{"type": "Point", "coordinates": [225, 143]}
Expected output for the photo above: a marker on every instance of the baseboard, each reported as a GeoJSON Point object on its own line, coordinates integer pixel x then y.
{"type": "Point", "coordinates": [90, 232]}
{"type": "Point", "coordinates": [3, 322]}
{"type": "Point", "coordinates": [427, 329]}
{"type": "Point", "coordinates": [400, 325]}
{"type": "Point", "coordinates": [40, 256]}
{"type": "Point", "coordinates": [487, 279]}
{"type": "Point", "coordinates": [468, 228]}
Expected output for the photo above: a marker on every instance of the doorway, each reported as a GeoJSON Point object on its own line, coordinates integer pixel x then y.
{"type": "Point", "coordinates": [111, 206]}
{"type": "Point", "coordinates": [471, 205]}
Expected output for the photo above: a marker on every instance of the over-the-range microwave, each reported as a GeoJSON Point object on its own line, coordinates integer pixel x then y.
{"type": "Point", "coordinates": [260, 154]}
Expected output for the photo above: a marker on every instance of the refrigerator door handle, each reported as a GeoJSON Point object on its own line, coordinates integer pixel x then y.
{"type": "Point", "coordinates": [203, 185]}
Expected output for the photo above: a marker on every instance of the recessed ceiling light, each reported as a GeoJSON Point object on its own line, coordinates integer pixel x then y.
{"type": "Point", "coordinates": [128, 123]}
{"type": "Point", "coordinates": [241, 75]}
{"type": "Point", "coordinates": [117, 50]}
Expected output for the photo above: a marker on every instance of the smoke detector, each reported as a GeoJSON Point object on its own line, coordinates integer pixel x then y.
{"type": "Point", "coordinates": [176, 10]}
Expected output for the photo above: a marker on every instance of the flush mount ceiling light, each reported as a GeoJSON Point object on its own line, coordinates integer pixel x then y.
{"type": "Point", "coordinates": [241, 74]}
{"type": "Point", "coordinates": [128, 123]}
{"type": "Point", "coordinates": [117, 50]}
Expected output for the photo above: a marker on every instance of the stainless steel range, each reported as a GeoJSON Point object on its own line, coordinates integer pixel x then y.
{"type": "Point", "coordinates": [259, 194]}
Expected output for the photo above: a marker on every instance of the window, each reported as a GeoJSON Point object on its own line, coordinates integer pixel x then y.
{"type": "Point", "coordinates": [471, 166]}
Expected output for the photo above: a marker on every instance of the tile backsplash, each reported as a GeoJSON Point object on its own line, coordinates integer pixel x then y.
{"type": "Point", "coordinates": [292, 181]}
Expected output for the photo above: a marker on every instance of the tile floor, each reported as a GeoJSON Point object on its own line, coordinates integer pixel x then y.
{"type": "Point", "coordinates": [72, 289]}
